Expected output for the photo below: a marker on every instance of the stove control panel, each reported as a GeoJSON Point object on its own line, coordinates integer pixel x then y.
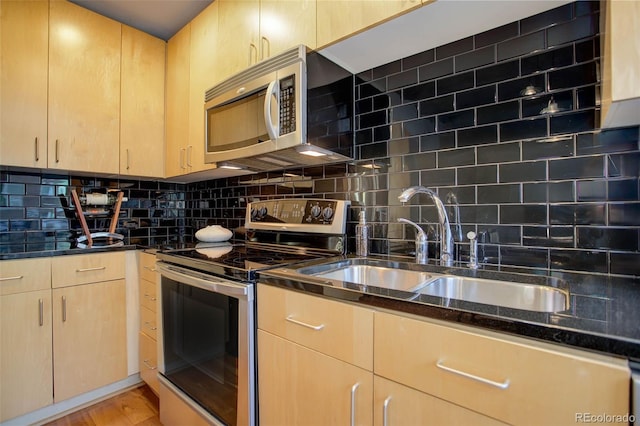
{"type": "Point", "coordinates": [304, 215]}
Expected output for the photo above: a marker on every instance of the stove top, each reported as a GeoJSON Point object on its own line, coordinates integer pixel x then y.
{"type": "Point", "coordinates": [278, 233]}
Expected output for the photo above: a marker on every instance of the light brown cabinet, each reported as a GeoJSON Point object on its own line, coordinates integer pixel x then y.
{"type": "Point", "coordinates": [340, 19]}
{"type": "Point", "coordinates": [24, 45]}
{"type": "Point", "coordinates": [142, 105]}
{"type": "Point", "coordinates": [513, 380]}
{"type": "Point", "coordinates": [84, 89]}
{"type": "Point", "coordinates": [179, 152]}
{"type": "Point", "coordinates": [89, 322]}
{"type": "Point", "coordinates": [148, 320]}
{"type": "Point", "coordinates": [26, 369]}
{"type": "Point", "coordinates": [620, 21]}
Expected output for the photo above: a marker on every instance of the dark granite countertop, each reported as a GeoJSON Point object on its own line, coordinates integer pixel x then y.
{"type": "Point", "coordinates": [67, 252]}
{"type": "Point", "coordinates": [603, 316]}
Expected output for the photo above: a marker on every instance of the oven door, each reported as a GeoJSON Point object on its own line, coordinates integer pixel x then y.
{"type": "Point", "coordinates": [206, 343]}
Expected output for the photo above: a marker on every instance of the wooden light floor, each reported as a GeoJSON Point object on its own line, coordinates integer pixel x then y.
{"type": "Point", "coordinates": [138, 406]}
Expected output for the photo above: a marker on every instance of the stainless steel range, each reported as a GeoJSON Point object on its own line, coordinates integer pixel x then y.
{"type": "Point", "coordinates": [207, 299]}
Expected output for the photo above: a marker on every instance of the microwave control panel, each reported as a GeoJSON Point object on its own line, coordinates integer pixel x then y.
{"type": "Point", "coordinates": [308, 215]}
{"type": "Point", "coordinates": [287, 105]}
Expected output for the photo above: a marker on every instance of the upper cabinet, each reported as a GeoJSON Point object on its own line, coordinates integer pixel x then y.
{"type": "Point", "coordinates": [338, 19]}
{"type": "Point", "coordinates": [252, 30]}
{"type": "Point", "coordinates": [621, 63]}
{"type": "Point", "coordinates": [24, 35]}
{"type": "Point", "coordinates": [142, 105]}
{"type": "Point", "coordinates": [84, 89]}
{"type": "Point", "coordinates": [178, 160]}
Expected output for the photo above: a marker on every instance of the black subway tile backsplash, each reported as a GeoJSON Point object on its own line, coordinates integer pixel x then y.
{"type": "Point", "coordinates": [475, 59]}
{"type": "Point", "coordinates": [479, 136]}
{"type": "Point", "coordinates": [577, 168]}
{"type": "Point", "coordinates": [546, 19]}
{"type": "Point", "coordinates": [500, 153]}
{"type": "Point", "coordinates": [523, 129]}
{"type": "Point", "coordinates": [476, 97]}
{"type": "Point", "coordinates": [523, 172]}
{"type": "Point", "coordinates": [521, 45]}
{"type": "Point", "coordinates": [455, 83]}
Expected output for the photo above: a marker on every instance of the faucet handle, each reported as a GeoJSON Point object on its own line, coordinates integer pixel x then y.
{"type": "Point", "coordinates": [421, 241]}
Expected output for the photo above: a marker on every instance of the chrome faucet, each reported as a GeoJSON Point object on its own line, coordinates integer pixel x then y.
{"type": "Point", "coordinates": [446, 237]}
{"type": "Point", "coordinates": [422, 245]}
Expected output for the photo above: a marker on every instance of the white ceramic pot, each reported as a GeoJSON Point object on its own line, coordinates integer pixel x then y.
{"type": "Point", "coordinates": [213, 234]}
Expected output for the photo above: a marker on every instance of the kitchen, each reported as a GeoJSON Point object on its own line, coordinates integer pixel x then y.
{"type": "Point", "coordinates": [543, 191]}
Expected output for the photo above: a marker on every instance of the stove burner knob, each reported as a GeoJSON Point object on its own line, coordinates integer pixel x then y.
{"type": "Point", "coordinates": [254, 213]}
{"type": "Point", "coordinates": [327, 213]}
{"type": "Point", "coordinates": [315, 211]}
{"type": "Point", "coordinates": [262, 212]}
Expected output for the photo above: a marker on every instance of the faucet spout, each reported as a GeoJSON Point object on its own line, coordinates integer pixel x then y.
{"type": "Point", "coordinates": [446, 236]}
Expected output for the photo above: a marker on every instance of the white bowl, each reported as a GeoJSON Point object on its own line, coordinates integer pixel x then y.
{"type": "Point", "coordinates": [213, 234]}
{"type": "Point", "coordinates": [214, 251]}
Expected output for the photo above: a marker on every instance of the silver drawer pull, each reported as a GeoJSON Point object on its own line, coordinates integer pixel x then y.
{"type": "Point", "coordinates": [149, 366]}
{"type": "Point", "coordinates": [150, 325]}
{"type": "Point", "coordinates": [99, 268]}
{"type": "Point", "coordinates": [148, 296]}
{"type": "Point", "coordinates": [148, 268]}
{"type": "Point", "coordinates": [385, 411]}
{"type": "Point", "coordinates": [313, 327]}
{"type": "Point", "coordinates": [17, 277]}
{"type": "Point", "coordinates": [353, 403]}
{"type": "Point", "coordinates": [40, 312]}
{"type": "Point", "coordinates": [499, 385]}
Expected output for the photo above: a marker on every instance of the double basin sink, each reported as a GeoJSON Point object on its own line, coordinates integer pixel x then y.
{"type": "Point", "coordinates": [509, 291]}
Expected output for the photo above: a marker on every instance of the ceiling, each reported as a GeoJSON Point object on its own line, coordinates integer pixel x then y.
{"type": "Point", "coordinates": [161, 18]}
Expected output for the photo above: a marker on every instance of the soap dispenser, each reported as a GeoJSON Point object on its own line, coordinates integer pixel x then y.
{"type": "Point", "coordinates": [363, 232]}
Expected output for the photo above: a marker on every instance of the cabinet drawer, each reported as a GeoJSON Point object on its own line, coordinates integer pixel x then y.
{"type": "Point", "coordinates": [148, 295]}
{"type": "Point", "coordinates": [148, 322]}
{"type": "Point", "coordinates": [87, 268]}
{"type": "Point", "coordinates": [510, 379]}
{"type": "Point", "coordinates": [147, 269]}
{"type": "Point", "coordinates": [20, 275]}
{"type": "Point", "coordinates": [336, 329]}
{"type": "Point", "coordinates": [149, 361]}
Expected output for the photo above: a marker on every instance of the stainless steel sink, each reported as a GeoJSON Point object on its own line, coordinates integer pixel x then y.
{"type": "Point", "coordinates": [530, 297]}
{"type": "Point", "coordinates": [371, 275]}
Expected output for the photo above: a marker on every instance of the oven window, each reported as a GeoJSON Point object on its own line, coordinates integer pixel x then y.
{"type": "Point", "coordinates": [200, 334]}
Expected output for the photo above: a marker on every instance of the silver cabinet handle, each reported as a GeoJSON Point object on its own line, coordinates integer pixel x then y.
{"type": "Point", "coordinates": [64, 309]}
{"type": "Point", "coordinates": [57, 151]}
{"type": "Point", "coordinates": [16, 277]}
{"type": "Point", "coordinates": [149, 366]}
{"type": "Point", "coordinates": [150, 325]}
{"type": "Point", "coordinates": [254, 48]}
{"type": "Point", "coordinates": [189, 150]}
{"type": "Point", "coordinates": [37, 153]}
{"type": "Point", "coordinates": [499, 385]}
{"type": "Point", "coordinates": [182, 154]}
{"type": "Point", "coordinates": [148, 296]}
{"type": "Point", "coordinates": [385, 411]}
{"type": "Point", "coordinates": [99, 268]}
{"type": "Point", "coordinates": [150, 269]}
{"type": "Point", "coordinates": [354, 388]}
{"type": "Point", "coordinates": [128, 155]}
{"type": "Point", "coordinates": [268, 43]}
{"type": "Point", "coordinates": [313, 327]}
{"type": "Point", "coordinates": [41, 312]}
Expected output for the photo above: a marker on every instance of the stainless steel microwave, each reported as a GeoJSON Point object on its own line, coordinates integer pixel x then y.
{"type": "Point", "coordinates": [289, 110]}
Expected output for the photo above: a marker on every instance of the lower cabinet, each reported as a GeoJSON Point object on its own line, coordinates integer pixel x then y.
{"type": "Point", "coordinates": [147, 335]}
{"type": "Point", "coordinates": [90, 341]}
{"type": "Point", "coordinates": [300, 386]}
{"type": "Point", "coordinates": [26, 379]}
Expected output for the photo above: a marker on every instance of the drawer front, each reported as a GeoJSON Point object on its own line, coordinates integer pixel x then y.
{"type": "Point", "coordinates": [336, 329]}
{"type": "Point", "coordinates": [87, 268]}
{"type": "Point", "coordinates": [148, 322]}
{"type": "Point", "coordinates": [20, 275]}
{"type": "Point", "coordinates": [148, 293]}
{"type": "Point", "coordinates": [500, 377]}
{"type": "Point", "coordinates": [147, 266]}
{"type": "Point", "coordinates": [149, 361]}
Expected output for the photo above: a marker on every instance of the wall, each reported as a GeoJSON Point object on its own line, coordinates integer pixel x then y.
{"type": "Point", "coordinates": [545, 190]}
{"type": "Point", "coordinates": [34, 217]}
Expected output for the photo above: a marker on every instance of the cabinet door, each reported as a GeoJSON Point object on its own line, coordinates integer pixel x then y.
{"type": "Point", "coordinates": [177, 118]}
{"type": "Point", "coordinates": [299, 386]}
{"type": "Point", "coordinates": [394, 404]}
{"type": "Point", "coordinates": [142, 106]}
{"type": "Point", "coordinates": [26, 375]}
{"type": "Point", "coordinates": [149, 362]}
{"type": "Point", "coordinates": [203, 75]}
{"type": "Point", "coordinates": [89, 337]}
{"type": "Point", "coordinates": [84, 89]}
{"type": "Point", "coordinates": [238, 35]}
{"type": "Point", "coordinates": [24, 35]}
{"type": "Point", "coordinates": [338, 19]}
{"type": "Point", "coordinates": [285, 24]}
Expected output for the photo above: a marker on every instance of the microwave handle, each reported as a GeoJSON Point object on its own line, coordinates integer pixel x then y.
{"type": "Point", "coordinates": [272, 129]}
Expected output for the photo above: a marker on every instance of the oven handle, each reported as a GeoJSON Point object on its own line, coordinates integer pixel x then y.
{"type": "Point", "coordinates": [209, 283]}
